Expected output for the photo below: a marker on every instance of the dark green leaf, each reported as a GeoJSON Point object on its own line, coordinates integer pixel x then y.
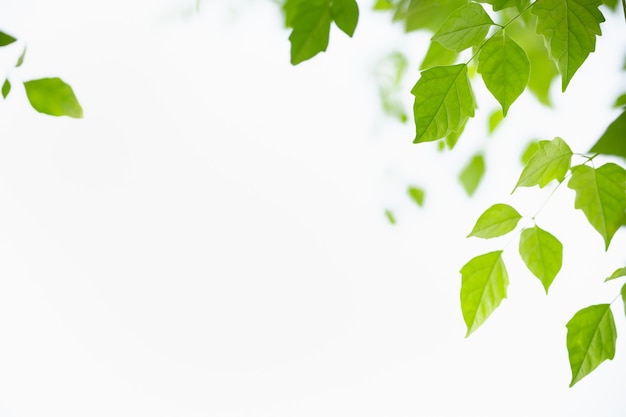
{"type": "Point", "coordinates": [6, 39]}
{"type": "Point", "coordinates": [311, 28]}
{"type": "Point", "coordinates": [497, 220]}
{"type": "Point", "coordinates": [483, 287]}
{"type": "Point", "coordinates": [472, 174]}
{"type": "Point", "coordinates": [345, 13]}
{"type": "Point", "coordinates": [618, 273]}
{"type": "Point", "coordinates": [569, 28]}
{"type": "Point", "coordinates": [613, 140]}
{"type": "Point", "coordinates": [416, 194]}
{"type": "Point", "coordinates": [591, 337]}
{"type": "Point", "coordinates": [600, 194]}
{"type": "Point", "coordinates": [620, 101]}
{"type": "Point", "coordinates": [6, 88]}
{"type": "Point", "coordinates": [53, 96]}
{"type": "Point", "coordinates": [505, 69]}
{"type": "Point", "coordinates": [550, 162]}
{"type": "Point", "coordinates": [443, 102]}
{"type": "Point", "coordinates": [542, 253]}
{"type": "Point", "coordinates": [465, 27]}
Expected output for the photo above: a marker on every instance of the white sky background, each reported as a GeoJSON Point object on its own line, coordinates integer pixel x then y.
{"type": "Point", "coordinates": [210, 240]}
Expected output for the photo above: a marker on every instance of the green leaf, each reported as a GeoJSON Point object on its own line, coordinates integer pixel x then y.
{"type": "Point", "coordinates": [416, 194]}
{"type": "Point", "coordinates": [542, 253]}
{"type": "Point", "coordinates": [383, 5]}
{"type": "Point", "coordinates": [503, 4]}
{"type": "Point", "coordinates": [472, 174]}
{"type": "Point", "coordinates": [6, 39]}
{"type": "Point", "coordinates": [465, 27]}
{"type": "Point", "coordinates": [390, 217]}
{"type": "Point", "coordinates": [345, 13]}
{"type": "Point", "coordinates": [311, 28]}
{"type": "Point", "coordinates": [483, 287]}
{"type": "Point", "coordinates": [529, 151]}
{"type": "Point", "coordinates": [550, 162]}
{"type": "Point", "coordinates": [443, 102]}
{"type": "Point", "coordinates": [620, 101]}
{"type": "Point", "coordinates": [505, 69]}
{"type": "Point", "coordinates": [569, 28]}
{"type": "Point", "coordinates": [495, 119]}
{"type": "Point", "coordinates": [497, 220]}
{"type": "Point", "coordinates": [618, 273]}
{"type": "Point", "coordinates": [601, 195]}
{"type": "Point", "coordinates": [438, 55]}
{"type": "Point", "coordinates": [53, 96]}
{"type": "Point", "coordinates": [624, 297]}
{"type": "Point", "coordinates": [389, 72]}
{"type": "Point", "coordinates": [613, 140]}
{"type": "Point", "coordinates": [453, 137]}
{"type": "Point", "coordinates": [428, 14]}
{"type": "Point", "coordinates": [591, 337]}
{"type": "Point", "coordinates": [20, 60]}
{"type": "Point", "coordinates": [6, 88]}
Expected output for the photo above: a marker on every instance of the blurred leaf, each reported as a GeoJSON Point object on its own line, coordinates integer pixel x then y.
{"type": "Point", "coordinates": [438, 55]}
{"type": "Point", "coordinates": [311, 26]}
{"type": "Point", "coordinates": [497, 220]}
{"type": "Point", "coordinates": [528, 153]}
{"type": "Point", "coordinates": [416, 194]}
{"type": "Point", "coordinates": [505, 69]}
{"type": "Point", "coordinates": [465, 27]}
{"type": "Point", "coordinates": [6, 88]}
{"type": "Point", "coordinates": [6, 39]}
{"type": "Point", "coordinates": [601, 195]}
{"type": "Point", "coordinates": [618, 273]}
{"type": "Point", "coordinates": [624, 297]}
{"type": "Point", "coordinates": [345, 13]}
{"type": "Point", "coordinates": [542, 253]}
{"type": "Point", "coordinates": [503, 4]}
{"type": "Point", "coordinates": [428, 14]}
{"type": "Point", "coordinates": [613, 140]}
{"type": "Point", "coordinates": [53, 96]}
{"type": "Point", "coordinates": [443, 102]}
{"type": "Point", "coordinates": [389, 72]}
{"type": "Point", "coordinates": [383, 5]}
{"type": "Point", "coordinates": [620, 101]}
{"type": "Point", "coordinates": [472, 174]}
{"type": "Point", "coordinates": [390, 217]}
{"type": "Point", "coordinates": [550, 162]}
{"type": "Point", "coordinates": [591, 337]}
{"type": "Point", "coordinates": [495, 119]}
{"type": "Point", "coordinates": [569, 28]}
{"type": "Point", "coordinates": [483, 287]}
{"type": "Point", "coordinates": [20, 60]}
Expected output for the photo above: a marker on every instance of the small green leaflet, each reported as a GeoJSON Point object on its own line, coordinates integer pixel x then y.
{"type": "Point", "coordinates": [443, 102]}
{"type": "Point", "coordinates": [495, 119]}
{"type": "Point", "coordinates": [54, 97]}
{"type": "Point", "coordinates": [624, 297]}
{"type": "Point", "coordinates": [6, 88]}
{"type": "Point", "coordinates": [505, 69]}
{"type": "Point", "coordinates": [6, 39]}
{"type": "Point", "coordinates": [345, 13]}
{"type": "Point", "coordinates": [550, 162]}
{"type": "Point", "coordinates": [416, 194]}
{"type": "Point", "coordinates": [472, 174]}
{"type": "Point", "coordinates": [503, 4]}
{"type": "Point", "coordinates": [311, 27]}
{"type": "Point", "coordinates": [483, 287]}
{"type": "Point", "coordinates": [569, 28]}
{"type": "Point", "coordinates": [497, 220]}
{"type": "Point", "coordinates": [613, 140]}
{"type": "Point", "coordinates": [600, 194]}
{"type": "Point", "coordinates": [542, 253]}
{"type": "Point", "coordinates": [620, 101]}
{"type": "Point", "coordinates": [465, 27]}
{"type": "Point", "coordinates": [20, 60]}
{"type": "Point", "coordinates": [591, 337]}
{"type": "Point", "coordinates": [390, 217]}
{"type": "Point", "coordinates": [618, 273]}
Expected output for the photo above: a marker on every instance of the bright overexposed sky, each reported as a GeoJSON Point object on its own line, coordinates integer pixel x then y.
{"type": "Point", "coordinates": [210, 239]}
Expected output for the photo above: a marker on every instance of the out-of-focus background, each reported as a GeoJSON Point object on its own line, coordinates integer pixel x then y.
{"type": "Point", "coordinates": [210, 239]}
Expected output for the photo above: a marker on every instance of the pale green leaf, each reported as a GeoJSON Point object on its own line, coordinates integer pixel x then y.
{"type": "Point", "coordinates": [465, 27]}
{"type": "Point", "coordinates": [503, 4]}
{"type": "Point", "coordinates": [497, 220]}
{"type": "Point", "coordinates": [453, 137]}
{"type": "Point", "coordinates": [542, 253]}
{"type": "Point", "coordinates": [20, 60]}
{"type": "Point", "coordinates": [591, 337]}
{"type": "Point", "coordinates": [550, 162]}
{"type": "Point", "coordinates": [613, 140]}
{"type": "Point", "coordinates": [390, 217]}
{"type": "Point", "coordinates": [443, 102]}
{"type": "Point", "coordinates": [311, 28]}
{"type": "Point", "coordinates": [505, 69]}
{"type": "Point", "coordinates": [618, 273]}
{"type": "Point", "coordinates": [6, 39]}
{"type": "Point", "coordinates": [438, 55]}
{"type": "Point", "coordinates": [529, 151]}
{"type": "Point", "coordinates": [53, 96]}
{"type": "Point", "coordinates": [428, 14]}
{"type": "Point", "coordinates": [6, 88]}
{"type": "Point", "coordinates": [383, 5]}
{"type": "Point", "coordinates": [569, 28]}
{"type": "Point", "coordinates": [624, 297]}
{"type": "Point", "coordinates": [495, 119]}
{"type": "Point", "coordinates": [601, 195]}
{"type": "Point", "coordinates": [417, 195]}
{"type": "Point", "coordinates": [472, 174]}
{"type": "Point", "coordinates": [483, 287]}
{"type": "Point", "coordinates": [345, 13]}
